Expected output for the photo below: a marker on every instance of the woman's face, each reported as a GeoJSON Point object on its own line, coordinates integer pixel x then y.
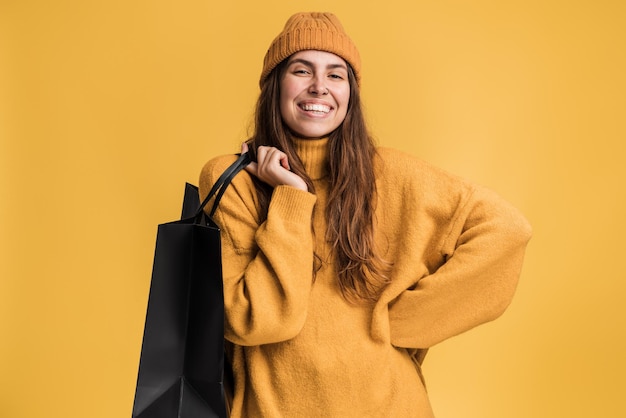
{"type": "Point", "coordinates": [314, 93]}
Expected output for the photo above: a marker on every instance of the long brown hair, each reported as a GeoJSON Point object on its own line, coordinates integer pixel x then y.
{"type": "Point", "coordinates": [351, 203]}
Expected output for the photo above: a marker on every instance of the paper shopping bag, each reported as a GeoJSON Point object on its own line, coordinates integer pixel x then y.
{"type": "Point", "coordinates": [181, 369]}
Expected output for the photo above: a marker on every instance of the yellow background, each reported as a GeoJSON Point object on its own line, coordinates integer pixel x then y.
{"type": "Point", "coordinates": [107, 108]}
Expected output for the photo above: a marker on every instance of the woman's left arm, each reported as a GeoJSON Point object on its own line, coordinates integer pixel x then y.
{"type": "Point", "coordinates": [483, 253]}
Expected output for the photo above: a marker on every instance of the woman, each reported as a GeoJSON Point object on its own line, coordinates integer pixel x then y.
{"type": "Point", "coordinates": [343, 263]}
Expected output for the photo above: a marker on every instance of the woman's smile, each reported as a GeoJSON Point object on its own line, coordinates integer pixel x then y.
{"type": "Point", "coordinates": [316, 108]}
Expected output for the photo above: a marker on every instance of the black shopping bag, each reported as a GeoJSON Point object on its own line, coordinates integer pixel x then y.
{"type": "Point", "coordinates": [181, 370]}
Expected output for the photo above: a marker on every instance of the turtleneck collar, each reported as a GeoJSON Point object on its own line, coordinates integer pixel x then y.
{"type": "Point", "coordinates": [314, 156]}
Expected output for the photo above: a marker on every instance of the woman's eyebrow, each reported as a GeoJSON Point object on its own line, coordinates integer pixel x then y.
{"type": "Point", "coordinates": [310, 64]}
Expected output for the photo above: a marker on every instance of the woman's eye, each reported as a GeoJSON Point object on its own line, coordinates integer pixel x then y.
{"type": "Point", "coordinates": [336, 76]}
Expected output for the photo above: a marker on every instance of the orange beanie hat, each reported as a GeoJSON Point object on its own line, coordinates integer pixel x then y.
{"type": "Point", "coordinates": [319, 31]}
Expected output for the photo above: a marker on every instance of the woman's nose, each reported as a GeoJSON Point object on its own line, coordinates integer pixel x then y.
{"type": "Point", "coordinates": [318, 86]}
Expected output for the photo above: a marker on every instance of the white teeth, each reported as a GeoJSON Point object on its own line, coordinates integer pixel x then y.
{"type": "Point", "coordinates": [316, 108]}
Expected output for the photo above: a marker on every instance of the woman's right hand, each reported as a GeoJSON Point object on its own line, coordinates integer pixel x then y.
{"type": "Point", "coordinates": [272, 167]}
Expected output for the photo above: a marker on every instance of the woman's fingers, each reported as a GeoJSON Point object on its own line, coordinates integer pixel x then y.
{"type": "Point", "coordinates": [252, 169]}
{"type": "Point", "coordinates": [271, 161]}
{"type": "Point", "coordinates": [252, 166]}
{"type": "Point", "coordinates": [272, 167]}
{"type": "Point", "coordinates": [284, 161]}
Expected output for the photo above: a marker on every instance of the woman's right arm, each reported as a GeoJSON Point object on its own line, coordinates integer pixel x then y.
{"type": "Point", "coordinates": [267, 267]}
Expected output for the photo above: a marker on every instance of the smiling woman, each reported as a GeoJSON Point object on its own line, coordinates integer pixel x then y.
{"type": "Point", "coordinates": [343, 262]}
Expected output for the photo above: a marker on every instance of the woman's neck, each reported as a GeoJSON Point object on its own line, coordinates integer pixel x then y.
{"type": "Point", "coordinates": [314, 156]}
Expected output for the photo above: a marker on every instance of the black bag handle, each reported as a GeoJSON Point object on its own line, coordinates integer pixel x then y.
{"type": "Point", "coordinates": [222, 183]}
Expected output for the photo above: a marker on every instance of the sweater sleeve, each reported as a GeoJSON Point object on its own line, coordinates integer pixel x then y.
{"type": "Point", "coordinates": [267, 267]}
{"type": "Point", "coordinates": [482, 253]}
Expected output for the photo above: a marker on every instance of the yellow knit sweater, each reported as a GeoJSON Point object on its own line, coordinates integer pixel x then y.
{"type": "Point", "coordinates": [298, 348]}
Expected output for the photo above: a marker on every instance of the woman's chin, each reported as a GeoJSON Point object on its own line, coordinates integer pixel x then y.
{"type": "Point", "coordinates": [310, 133]}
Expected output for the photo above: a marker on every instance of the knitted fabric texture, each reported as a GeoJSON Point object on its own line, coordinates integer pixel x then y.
{"type": "Point", "coordinates": [298, 348]}
{"type": "Point", "coordinates": [318, 31]}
